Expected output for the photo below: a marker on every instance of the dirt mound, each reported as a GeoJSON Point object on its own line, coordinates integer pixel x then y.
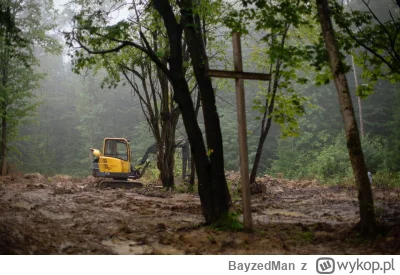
{"type": "Point", "coordinates": [37, 176]}
{"type": "Point", "coordinates": [268, 184]}
{"type": "Point", "coordinates": [66, 184]}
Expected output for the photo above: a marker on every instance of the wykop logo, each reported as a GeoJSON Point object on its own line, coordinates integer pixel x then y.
{"type": "Point", "coordinates": [325, 265]}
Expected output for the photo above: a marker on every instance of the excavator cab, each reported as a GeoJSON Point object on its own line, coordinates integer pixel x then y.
{"type": "Point", "coordinates": [115, 161]}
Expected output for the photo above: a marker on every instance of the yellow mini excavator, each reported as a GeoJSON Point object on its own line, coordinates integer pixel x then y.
{"type": "Point", "coordinates": [114, 166]}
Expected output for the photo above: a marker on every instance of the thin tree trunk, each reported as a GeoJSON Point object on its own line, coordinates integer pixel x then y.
{"type": "Point", "coordinates": [192, 164]}
{"type": "Point", "coordinates": [360, 114]}
{"type": "Point", "coordinates": [367, 212]}
{"type": "Point", "coordinates": [257, 158]}
{"type": "Point", "coordinates": [269, 108]}
{"type": "Point", "coordinates": [192, 171]}
{"type": "Point", "coordinates": [265, 126]}
{"type": "Point", "coordinates": [4, 141]}
{"type": "Point", "coordinates": [4, 81]}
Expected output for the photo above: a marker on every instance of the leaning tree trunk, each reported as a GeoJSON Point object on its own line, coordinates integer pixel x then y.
{"type": "Point", "coordinates": [367, 212]}
{"type": "Point", "coordinates": [216, 191]}
{"type": "Point", "coordinates": [198, 149]}
{"type": "Point", "coordinates": [269, 108]}
{"type": "Point", "coordinates": [360, 114]}
{"type": "Point", "coordinates": [260, 147]}
{"type": "Point", "coordinates": [4, 142]}
{"type": "Point", "coordinates": [267, 119]}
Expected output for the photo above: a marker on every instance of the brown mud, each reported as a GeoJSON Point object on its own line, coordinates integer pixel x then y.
{"type": "Point", "coordinates": [62, 215]}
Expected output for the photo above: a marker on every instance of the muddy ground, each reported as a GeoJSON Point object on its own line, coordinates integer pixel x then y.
{"type": "Point", "coordinates": [62, 215]}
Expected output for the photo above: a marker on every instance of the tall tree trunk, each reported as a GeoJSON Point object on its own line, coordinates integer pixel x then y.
{"type": "Point", "coordinates": [216, 190]}
{"type": "Point", "coordinates": [360, 114]}
{"type": "Point", "coordinates": [4, 63]}
{"type": "Point", "coordinates": [213, 190]}
{"type": "Point", "coordinates": [4, 141]}
{"type": "Point", "coordinates": [366, 203]}
{"type": "Point", "coordinates": [210, 212]}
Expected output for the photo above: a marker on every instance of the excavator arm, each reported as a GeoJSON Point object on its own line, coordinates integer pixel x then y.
{"type": "Point", "coordinates": [138, 171]}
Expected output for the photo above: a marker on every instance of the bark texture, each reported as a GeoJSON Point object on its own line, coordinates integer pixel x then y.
{"type": "Point", "coordinates": [366, 203]}
{"type": "Point", "coordinates": [215, 192]}
{"type": "Point", "coordinates": [3, 153]}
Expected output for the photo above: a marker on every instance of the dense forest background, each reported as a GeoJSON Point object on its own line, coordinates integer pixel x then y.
{"type": "Point", "coordinates": [75, 112]}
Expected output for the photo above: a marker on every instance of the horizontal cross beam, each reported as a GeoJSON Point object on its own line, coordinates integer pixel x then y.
{"type": "Point", "coordinates": [243, 75]}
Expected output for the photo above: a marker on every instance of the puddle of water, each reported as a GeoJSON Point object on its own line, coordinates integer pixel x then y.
{"type": "Point", "coordinates": [284, 213]}
{"type": "Point", "coordinates": [133, 248]}
{"type": "Point", "coordinates": [54, 216]}
{"type": "Point", "coordinates": [166, 249]}
{"type": "Point", "coordinates": [127, 247]}
{"type": "Point", "coordinates": [23, 205]}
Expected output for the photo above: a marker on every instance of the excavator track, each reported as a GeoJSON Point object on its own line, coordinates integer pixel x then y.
{"type": "Point", "coordinates": [121, 184]}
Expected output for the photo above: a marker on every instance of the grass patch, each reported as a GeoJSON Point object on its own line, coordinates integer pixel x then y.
{"type": "Point", "coordinates": [233, 187]}
{"type": "Point", "coordinates": [384, 179]}
{"type": "Point", "coordinates": [228, 222]}
{"type": "Point", "coordinates": [303, 237]}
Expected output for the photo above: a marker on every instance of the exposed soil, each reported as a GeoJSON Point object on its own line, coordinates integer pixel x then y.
{"type": "Point", "coordinates": [61, 215]}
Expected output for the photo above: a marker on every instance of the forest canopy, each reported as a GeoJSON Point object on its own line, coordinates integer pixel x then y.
{"type": "Point", "coordinates": [75, 112]}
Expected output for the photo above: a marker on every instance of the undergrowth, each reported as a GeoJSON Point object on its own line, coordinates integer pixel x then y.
{"type": "Point", "coordinates": [228, 222]}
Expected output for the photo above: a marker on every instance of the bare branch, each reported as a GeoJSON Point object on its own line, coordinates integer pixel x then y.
{"type": "Point", "coordinates": [136, 73]}
{"type": "Point", "coordinates": [389, 36]}
{"type": "Point", "coordinates": [154, 57]}
{"type": "Point", "coordinates": [116, 49]}
{"type": "Point", "coordinates": [134, 87]}
{"type": "Point", "coordinates": [350, 33]}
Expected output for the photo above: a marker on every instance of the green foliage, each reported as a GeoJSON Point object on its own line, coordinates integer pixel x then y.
{"type": "Point", "coordinates": [303, 237]}
{"type": "Point", "coordinates": [364, 90]}
{"type": "Point", "coordinates": [375, 33]}
{"type": "Point", "coordinates": [228, 222]}
{"type": "Point", "coordinates": [332, 162]}
{"type": "Point", "coordinates": [152, 173]}
{"type": "Point", "coordinates": [328, 160]}
{"type": "Point", "coordinates": [22, 32]}
{"type": "Point", "coordinates": [386, 179]}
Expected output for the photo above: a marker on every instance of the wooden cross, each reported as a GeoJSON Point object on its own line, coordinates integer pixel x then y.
{"type": "Point", "coordinates": [239, 77]}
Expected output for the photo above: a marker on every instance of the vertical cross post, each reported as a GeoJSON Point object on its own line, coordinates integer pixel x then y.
{"type": "Point", "coordinates": [239, 77]}
{"type": "Point", "coordinates": [242, 131]}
